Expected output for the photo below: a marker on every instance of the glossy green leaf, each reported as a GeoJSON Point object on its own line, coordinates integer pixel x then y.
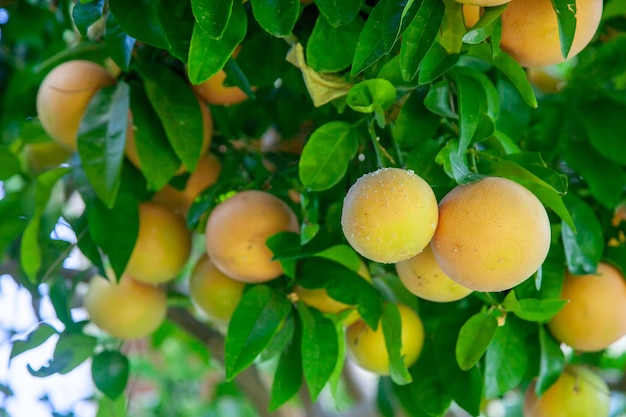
{"type": "Point", "coordinates": [415, 123]}
{"type": "Point", "coordinates": [179, 111]}
{"type": "Point", "coordinates": [288, 375]}
{"type": "Point", "coordinates": [534, 163]}
{"type": "Point", "coordinates": [474, 338]}
{"type": "Point", "coordinates": [397, 16]}
{"type": "Point", "coordinates": [118, 44]}
{"type": "Point", "coordinates": [140, 20]}
{"type": "Point", "coordinates": [110, 370]}
{"type": "Point", "coordinates": [605, 177]}
{"type": "Point", "coordinates": [482, 30]}
{"type": "Point", "coordinates": [124, 218]}
{"type": "Point", "coordinates": [157, 158]}
{"type": "Point", "coordinates": [584, 245]}
{"type": "Point", "coordinates": [86, 13]}
{"type": "Point", "coordinates": [506, 359]}
{"type": "Point", "coordinates": [465, 387]}
{"type": "Point", "coordinates": [112, 408]}
{"type": "Point", "coordinates": [343, 285]}
{"type": "Point", "coordinates": [71, 350]}
{"type": "Point", "coordinates": [101, 140]}
{"type": "Point", "coordinates": [452, 36]}
{"type": "Point", "coordinates": [254, 322]}
{"type": "Point", "coordinates": [566, 18]}
{"type": "Point", "coordinates": [374, 95]}
{"type": "Point", "coordinates": [437, 99]}
{"type": "Point", "coordinates": [419, 37]}
{"type": "Point", "coordinates": [370, 46]}
{"type": "Point", "coordinates": [601, 118]}
{"type": "Point", "coordinates": [339, 12]}
{"type": "Point", "coordinates": [509, 67]}
{"type": "Point", "coordinates": [326, 155]}
{"type": "Point", "coordinates": [277, 17]}
{"type": "Point", "coordinates": [532, 309]}
{"type": "Point", "coordinates": [344, 40]}
{"type": "Point", "coordinates": [207, 56]}
{"type": "Point", "coordinates": [212, 15]}
{"type": "Point", "coordinates": [344, 255]}
{"type": "Point", "coordinates": [9, 164]}
{"type": "Point", "coordinates": [320, 348]}
{"type": "Point", "coordinates": [436, 63]}
{"type": "Point", "coordinates": [552, 361]}
{"type": "Point", "coordinates": [471, 100]}
{"type": "Point", "coordinates": [336, 377]}
{"type": "Point", "coordinates": [30, 248]}
{"type": "Point", "coordinates": [391, 322]}
{"type": "Point", "coordinates": [36, 338]}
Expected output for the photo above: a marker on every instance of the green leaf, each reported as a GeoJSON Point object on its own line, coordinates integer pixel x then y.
{"type": "Point", "coordinates": [157, 158]}
{"type": "Point", "coordinates": [509, 67]}
{"type": "Point", "coordinates": [326, 155]}
{"type": "Point", "coordinates": [397, 16]}
{"type": "Point", "coordinates": [370, 46]}
{"type": "Point", "coordinates": [552, 361]}
{"type": "Point", "coordinates": [342, 284]}
{"type": "Point", "coordinates": [288, 375]}
{"type": "Point", "coordinates": [212, 15]}
{"type": "Point", "coordinates": [124, 218]}
{"type": "Point", "coordinates": [110, 370]}
{"type": "Point", "coordinates": [277, 17]}
{"type": "Point", "coordinates": [452, 36]}
{"type": "Point", "coordinates": [30, 250]}
{"type": "Point", "coordinates": [471, 99]}
{"type": "Point", "coordinates": [419, 37]}
{"type": "Point", "coordinates": [506, 360]}
{"type": "Point", "coordinates": [101, 140]}
{"type": "Point", "coordinates": [320, 348]}
{"type": "Point", "coordinates": [339, 12]}
{"type": "Point", "coordinates": [112, 408]}
{"type": "Point", "coordinates": [179, 111]}
{"type": "Point", "coordinates": [254, 322]}
{"type": "Point", "coordinates": [465, 387]}
{"type": "Point", "coordinates": [118, 44]}
{"type": "Point", "coordinates": [207, 56]}
{"type": "Point", "coordinates": [342, 254]}
{"type": "Point", "coordinates": [415, 123]}
{"type": "Point", "coordinates": [392, 331]}
{"type": "Point", "coordinates": [437, 99]}
{"type": "Point", "coordinates": [71, 350]}
{"type": "Point", "coordinates": [34, 339]}
{"type": "Point", "coordinates": [583, 245]}
{"type": "Point", "coordinates": [474, 338]}
{"type": "Point", "coordinates": [482, 30]}
{"type": "Point", "coordinates": [344, 40]}
{"type": "Point", "coordinates": [600, 119]}
{"type": "Point", "coordinates": [337, 375]}
{"type": "Point", "coordinates": [436, 63]}
{"type": "Point", "coordinates": [566, 18]}
{"type": "Point", "coordinates": [9, 164]}
{"type": "Point", "coordinates": [374, 95]}
{"type": "Point", "coordinates": [86, 13]}
{"type": "Point", "coordinates": [61, 293]}
{"type": "Point", "coordinates": [532, 309]}
{"type": "Point", "coordinates": [140, 20]}
{"type": "Point", "coordinates": [605, 177]}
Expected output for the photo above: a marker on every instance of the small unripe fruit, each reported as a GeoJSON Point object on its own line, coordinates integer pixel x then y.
{"type": "Point", "coordinates": [128, 309]}
{"type": "Point", "coordinates": [389, 215]}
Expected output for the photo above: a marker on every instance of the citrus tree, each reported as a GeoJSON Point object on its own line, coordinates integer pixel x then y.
{"type": "Point", "coordinates": [429, 190]}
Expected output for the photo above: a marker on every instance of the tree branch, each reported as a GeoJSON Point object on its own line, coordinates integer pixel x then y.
{"type": "Point", "coordinates": [248, 381]}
